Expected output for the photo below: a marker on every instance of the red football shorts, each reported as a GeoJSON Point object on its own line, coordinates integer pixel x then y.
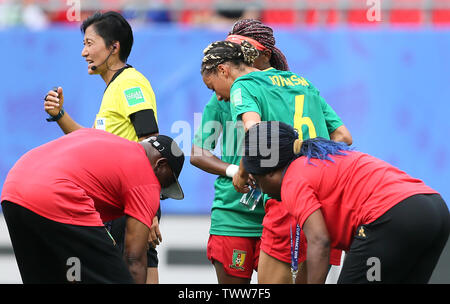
{"type": "Point", "coordinates": [276, 236]}
{"type": "Point", "coordinates": [238, 255]}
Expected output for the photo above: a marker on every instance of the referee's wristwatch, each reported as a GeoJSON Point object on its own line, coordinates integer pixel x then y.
{"type": "Point", "coordinates": [57, 117]}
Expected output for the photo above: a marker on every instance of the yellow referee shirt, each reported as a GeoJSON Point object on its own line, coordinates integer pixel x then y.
{"type": "Point", "coordinates": [126, 94]}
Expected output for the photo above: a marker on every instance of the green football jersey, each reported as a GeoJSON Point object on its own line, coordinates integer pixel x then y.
{"type": "Point", "coordinates": [284, 96]}
{"type": "Point", "coordinates": [228, 216]}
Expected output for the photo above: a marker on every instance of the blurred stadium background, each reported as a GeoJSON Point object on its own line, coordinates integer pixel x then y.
{"type": "Point", "coordinates": [382, 65]}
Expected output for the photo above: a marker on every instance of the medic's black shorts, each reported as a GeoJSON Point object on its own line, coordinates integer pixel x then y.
{"type": "Point", "coordinates": [401, 246]}
{"type": "Point", "coordinates": [50, 252]}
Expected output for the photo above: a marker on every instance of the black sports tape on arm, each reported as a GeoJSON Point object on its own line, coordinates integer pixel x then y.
{"type": "Point", "coordinates": [144, 122]}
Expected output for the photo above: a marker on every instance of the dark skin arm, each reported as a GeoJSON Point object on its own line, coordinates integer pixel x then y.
{"type": "Point", "coordinates": [136, 246]}
{"type": "Point", "coordinates": [155, 237]}
{"type": "Point", "coordinates": [318, 252]}
{"type": "Point", "coordinates": [205, 160]}
{"type": "Point", "coordinates": [240, 179]}
{"type": "Point", "coordinates": [342, 134]}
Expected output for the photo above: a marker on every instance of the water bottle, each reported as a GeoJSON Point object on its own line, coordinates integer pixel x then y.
{"type": "Point", "coordinates": [251, 198]}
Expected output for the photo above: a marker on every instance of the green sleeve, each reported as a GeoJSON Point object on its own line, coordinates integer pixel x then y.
{"type": "Point", "coordinates": [333, 121]}
{"type": "Point", "coordinates": [242, 101]}
{"type": "Point", "coordinates": [208, 133]}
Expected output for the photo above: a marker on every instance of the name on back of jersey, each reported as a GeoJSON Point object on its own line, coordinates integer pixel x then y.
{"type": "Point", "coordinates": [293, 80]}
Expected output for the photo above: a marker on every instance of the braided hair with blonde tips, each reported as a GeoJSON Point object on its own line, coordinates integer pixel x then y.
{"type": "Point", "coordinates": [224, 51]}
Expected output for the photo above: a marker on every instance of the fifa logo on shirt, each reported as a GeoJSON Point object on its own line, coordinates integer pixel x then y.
{"type": "Point", "coordinates": [238, 259]}
{"type": "Point", "coordinates": [73, 274]}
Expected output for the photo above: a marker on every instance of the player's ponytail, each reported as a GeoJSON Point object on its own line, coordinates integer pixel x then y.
{"type": "Point", "coordinates": [249, 53]}
{"type": "Point", "coordinates": [262, 33]}
{"type": "Point", "coordinates": [270, 145]}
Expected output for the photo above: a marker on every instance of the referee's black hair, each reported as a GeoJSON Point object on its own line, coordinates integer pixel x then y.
{"type": "Point", "coordinates": [270, 145]}
{"type": "Point", "coordinates": [225, 51]}
{"type": "Point", "coordinates": [112, 26]}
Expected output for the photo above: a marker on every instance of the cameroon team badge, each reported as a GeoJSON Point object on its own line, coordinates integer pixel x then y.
{"type": "Point", "coordinates": [238, 259]}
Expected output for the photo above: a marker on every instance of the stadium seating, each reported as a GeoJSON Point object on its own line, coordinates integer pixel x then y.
{"type": "Point", "coordinates": [283, 12]}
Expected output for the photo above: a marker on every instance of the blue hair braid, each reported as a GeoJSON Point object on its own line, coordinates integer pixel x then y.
{"type": "Point", "coordinates": [274, 141]}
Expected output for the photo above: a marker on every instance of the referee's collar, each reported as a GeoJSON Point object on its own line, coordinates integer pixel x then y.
{"type": "Point", "coordinates": [117, 74]}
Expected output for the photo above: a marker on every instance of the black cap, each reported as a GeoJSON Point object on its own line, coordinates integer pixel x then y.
{"type": "Point", "coordinates": [175, 157]}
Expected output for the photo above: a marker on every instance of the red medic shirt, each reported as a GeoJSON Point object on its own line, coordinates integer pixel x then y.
{"type": "Point", "coordinates": [85, 178]}
{"type": "Point", "coordinates": [353, 190]}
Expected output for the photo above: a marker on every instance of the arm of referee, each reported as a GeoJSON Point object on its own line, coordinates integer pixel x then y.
{"type": "Point", "coordinates": [144, 123]}
{"type": "Point", "coordinates": [53, 104]}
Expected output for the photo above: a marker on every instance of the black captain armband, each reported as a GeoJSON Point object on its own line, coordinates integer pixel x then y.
{"type": "Point", "coordinates": [144, 122]}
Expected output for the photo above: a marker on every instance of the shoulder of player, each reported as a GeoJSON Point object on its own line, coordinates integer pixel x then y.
{"type": "Point", "coordinates": [249, 82]}
{"type": "Point", "coordinates": [292, 180]}
{"type": "Point", "coordinates": [216, 107]}
{"type": "Point", "coordinates": [264, 77]}
{"type": "Point", "coordinates": [255, 76]}
{"type": "Point", "coordinates": [302, 164]}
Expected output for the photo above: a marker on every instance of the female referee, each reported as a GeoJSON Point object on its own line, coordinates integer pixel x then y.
{"type": "Point", "coordinates": [128, 107]}
{"type": "Point", "coordinates": [224, 64]}
{"type": "Point", "coordinates": [351, 201]}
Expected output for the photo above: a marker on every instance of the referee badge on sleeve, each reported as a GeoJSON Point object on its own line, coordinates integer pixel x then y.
{"type": "Point", "coordinates": [134, 96]}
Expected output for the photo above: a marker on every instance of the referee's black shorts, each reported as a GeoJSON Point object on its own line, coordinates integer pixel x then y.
{"type": "Point", "coordinates": [401, 246]}
{"type": "Point", "coordinates": [50, 252]}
